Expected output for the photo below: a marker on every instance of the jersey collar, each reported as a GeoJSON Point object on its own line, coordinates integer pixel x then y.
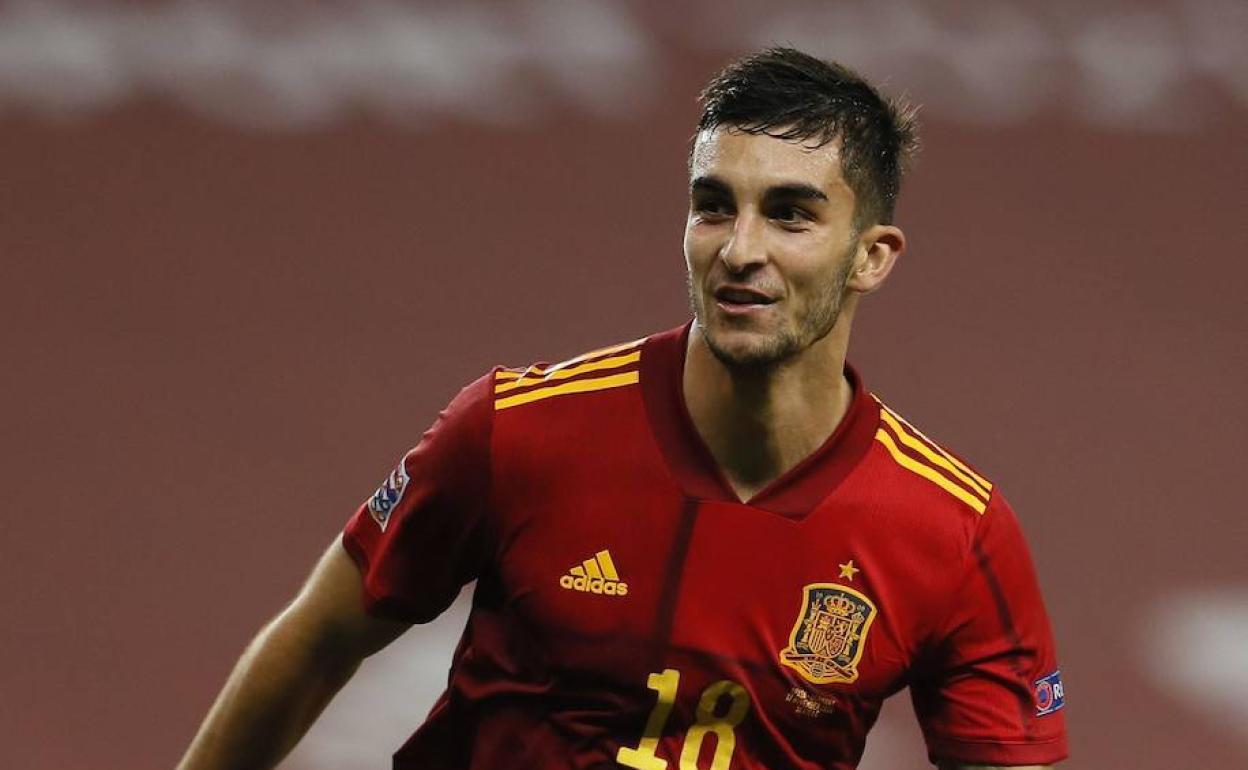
{"type": "Point", "coordinates": [691, 464]}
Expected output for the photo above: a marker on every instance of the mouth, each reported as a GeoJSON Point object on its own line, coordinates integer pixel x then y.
{"type": "Point", "coordinates": [740, 300]}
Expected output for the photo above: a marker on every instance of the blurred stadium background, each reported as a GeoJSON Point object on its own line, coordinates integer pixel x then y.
{"type": "Point", "coordinates": [247, 250]}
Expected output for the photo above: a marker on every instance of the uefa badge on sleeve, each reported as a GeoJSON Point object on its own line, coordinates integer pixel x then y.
{"type": "Point", "coordinates": [387, 497]}
{"type": "Point", "coordinates": [1049, 694]}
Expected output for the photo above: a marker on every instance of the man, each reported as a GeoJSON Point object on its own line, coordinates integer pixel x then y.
{"type": "Point", "coordinates": [710, 548]}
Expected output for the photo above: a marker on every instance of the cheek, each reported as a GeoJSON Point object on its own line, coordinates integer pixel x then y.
{"type": "Point", "coordinates": [698, 250]}
{"type": "Point", "coordinates": [822, 264]}
{"type": "Point", "coordinates": [809, 281]}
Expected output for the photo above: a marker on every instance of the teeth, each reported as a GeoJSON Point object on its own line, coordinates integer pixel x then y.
{"type": "Point", "coordinates": [742, 298]}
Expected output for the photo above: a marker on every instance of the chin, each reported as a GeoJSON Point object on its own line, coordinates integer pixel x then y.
{"type": "Point", "coordinates": [748, 350]}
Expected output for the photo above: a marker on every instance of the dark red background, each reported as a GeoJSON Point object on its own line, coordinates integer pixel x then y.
{"type": "Point", "coordinates": [218, 340]}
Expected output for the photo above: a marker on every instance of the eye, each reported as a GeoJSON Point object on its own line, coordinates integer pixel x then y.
{"type": "Point", "coordinates": [711, 207]}
{"type": "Point", "coordinates": [790, 215]}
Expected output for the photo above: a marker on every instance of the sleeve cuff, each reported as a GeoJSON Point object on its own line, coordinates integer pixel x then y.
{"type": "Point", "coordinates": [387, 607]}
{"type": "Point", "coordinates": [1003, 753]}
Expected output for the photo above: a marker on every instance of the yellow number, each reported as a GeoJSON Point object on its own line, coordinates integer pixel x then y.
{"type": "Point", "coordinates": [723, 727]}
{"type": "Point", "coordinates": [645, 756]}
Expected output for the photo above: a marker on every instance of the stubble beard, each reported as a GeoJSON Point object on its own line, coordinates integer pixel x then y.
{"type": "Point", "coordinates": [811, 326]}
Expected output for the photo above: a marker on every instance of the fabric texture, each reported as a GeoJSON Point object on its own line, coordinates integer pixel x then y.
{"type": "Point", "coordinates": [630, 611]}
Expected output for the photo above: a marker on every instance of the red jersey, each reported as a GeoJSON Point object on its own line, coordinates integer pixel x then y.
{"type": "Point", "coordinates": [631, 612]}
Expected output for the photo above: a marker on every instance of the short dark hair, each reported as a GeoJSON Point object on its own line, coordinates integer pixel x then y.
{"type": "Point", "coordinates": [788, 94]}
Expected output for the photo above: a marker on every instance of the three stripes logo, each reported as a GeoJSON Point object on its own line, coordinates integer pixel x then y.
{"type": "Point", "coordinates": [596, 576]}
{"type": "Point", "coordinates": [923, 457]}
{"type": "Point", "coordinates": [613, 367]}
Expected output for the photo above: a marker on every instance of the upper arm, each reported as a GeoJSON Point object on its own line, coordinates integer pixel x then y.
{"type": "Point", "coordinates": [427, 532]}
{"type": "Point", "coordinates": [989, 693]}
{"type": "Point", "coordinates": [329, 611]}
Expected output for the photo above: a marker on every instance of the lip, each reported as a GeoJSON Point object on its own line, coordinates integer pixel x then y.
{"type": "Point", "coordinates": [741, 300]}
{"type": "Point", "coordinates": [742, 295]}
{"type": "Point", "coordinates": [741, 309]}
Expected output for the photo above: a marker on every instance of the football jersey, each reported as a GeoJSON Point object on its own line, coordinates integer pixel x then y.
{"type": "Point", "coordinates": [631, 612]}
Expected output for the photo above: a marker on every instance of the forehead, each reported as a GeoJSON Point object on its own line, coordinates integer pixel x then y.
{"type": "Point", "coordinates": [758, 160]}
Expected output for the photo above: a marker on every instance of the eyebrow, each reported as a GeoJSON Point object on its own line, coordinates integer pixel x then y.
{"type": "Point", "coordinates": [796, 190]}
{"type": "Point", "coordinates": [709, 184]}
{"type": "Point", "coordinates": [787, 190]}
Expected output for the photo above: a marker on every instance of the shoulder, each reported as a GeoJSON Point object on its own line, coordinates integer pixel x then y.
{"type": "Point", "coordinates": [926, 472]}
{"type": "Point", "coordinates": [543, 386]}
{"type": "Point", "coordinates": [504, 388]}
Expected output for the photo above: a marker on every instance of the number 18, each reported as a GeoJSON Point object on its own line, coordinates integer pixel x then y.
{"type": "Point", "coordinates": [644, 756]}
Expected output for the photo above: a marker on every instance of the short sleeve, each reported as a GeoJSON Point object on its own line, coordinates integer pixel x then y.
{"type": "Point", "coordinates": [991, 692]}
{"type": "Point", "coordinates": [426, 532]}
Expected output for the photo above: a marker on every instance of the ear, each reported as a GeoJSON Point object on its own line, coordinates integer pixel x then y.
{"type": "Point", "coordinates": [878, 249]}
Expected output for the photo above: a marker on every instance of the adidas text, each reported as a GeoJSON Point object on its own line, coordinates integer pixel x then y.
{"type": "Point", "coordinates": [594, 585]}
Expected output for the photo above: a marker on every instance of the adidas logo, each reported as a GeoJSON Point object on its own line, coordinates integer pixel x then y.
{"type": "Point", "coordinates": [595, 576]}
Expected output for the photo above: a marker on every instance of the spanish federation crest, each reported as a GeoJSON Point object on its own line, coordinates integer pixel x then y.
{"type": "Point", "coordinates": [827, 641]}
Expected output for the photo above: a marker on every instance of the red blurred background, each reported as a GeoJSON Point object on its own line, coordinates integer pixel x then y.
{"type": "Point", "coordinates": [247, 252]}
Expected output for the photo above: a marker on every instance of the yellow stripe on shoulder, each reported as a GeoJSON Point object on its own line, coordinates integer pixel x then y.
{"type": "Point", "coordinates": [575, 386]}
{"type": "Point", "coordinates": [538, 371]}
{"type": "Point", "coordinates": [983, 482]}
{"type": "Point", "coordinates": [929, 473]}
{"type": "Point", "coordinates": [917, 453]}
{"type": "Point", "coordinates": [937, 457]}
{"type": "Point", "coordinates": [554, 374]}
{"type": "Point", "coordinates": [611, 367]}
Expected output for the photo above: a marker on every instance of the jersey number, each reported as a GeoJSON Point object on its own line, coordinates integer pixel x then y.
{"type": "Point", "coordinates": [644, 757]}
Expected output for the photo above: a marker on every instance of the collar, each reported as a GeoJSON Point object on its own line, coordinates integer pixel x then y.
{"type": "Point", "coordinates": [796, 492]}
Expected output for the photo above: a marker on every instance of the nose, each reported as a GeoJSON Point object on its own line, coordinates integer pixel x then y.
{"type": "Point", "coordinates": [745, 247]}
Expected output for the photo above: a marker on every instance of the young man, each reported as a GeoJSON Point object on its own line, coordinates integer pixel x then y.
{"type": "Point", "coordinates": [709, 548]}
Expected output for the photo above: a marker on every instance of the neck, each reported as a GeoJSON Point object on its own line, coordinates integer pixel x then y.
{"type": "Point", "coordinates": [759, 422]}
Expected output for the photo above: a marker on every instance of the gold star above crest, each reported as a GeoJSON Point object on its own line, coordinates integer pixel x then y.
{"type": "Point", "coordinates": [848, 570]}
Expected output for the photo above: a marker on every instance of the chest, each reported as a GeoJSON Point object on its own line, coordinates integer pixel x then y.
{"type": "Point", "coordinates": [611, 573]}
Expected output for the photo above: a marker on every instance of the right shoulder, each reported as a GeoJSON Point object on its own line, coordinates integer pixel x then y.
{"type": "Point", "coordinates": [519, 395]}
{"type": "Point", "coordinates": [605, 369]}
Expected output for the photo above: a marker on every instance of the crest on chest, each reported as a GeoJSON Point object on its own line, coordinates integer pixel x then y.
{"type": "Point", "coordinates": [827, 640]}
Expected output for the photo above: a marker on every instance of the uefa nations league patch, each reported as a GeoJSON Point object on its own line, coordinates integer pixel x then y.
{"type": "Point", "coordinates": [388, 495]}
{"type": "Point", "coordinates": [1049, 694]}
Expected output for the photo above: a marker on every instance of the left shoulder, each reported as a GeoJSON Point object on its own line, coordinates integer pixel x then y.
{"type": "Point", "coordinates": [927, 469]}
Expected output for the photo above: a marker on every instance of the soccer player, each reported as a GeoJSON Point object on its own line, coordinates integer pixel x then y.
{"type": "Point", "coordinates": [711, 548]}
